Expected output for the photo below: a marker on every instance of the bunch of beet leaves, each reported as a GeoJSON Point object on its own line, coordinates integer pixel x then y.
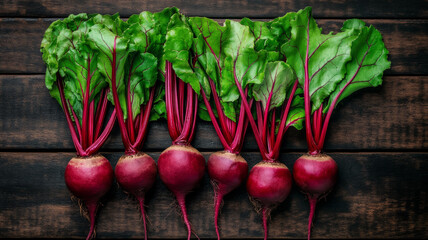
{"type": "Point", "coordinates": [329, 67]}
{"type": "Point", "coordinates": [74, 79]}
{"type": "Point", "coordinates": [130, 59]}
{"type": "Point", "coordinates": [270, 75]}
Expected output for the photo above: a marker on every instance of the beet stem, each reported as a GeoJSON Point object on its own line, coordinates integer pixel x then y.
{"type": "Point", "coordinates": [92, 209]}
{"type": "Point", "coordinates": [312, 203]}
{"type": "Point", "coordinates": [218, 200]}
{"type": "Point", "coordinates": [264, 217]}
{"type": "Point", "coordinates": [249, 114]}
{"type": "Point", "coordinates": [143, 215]}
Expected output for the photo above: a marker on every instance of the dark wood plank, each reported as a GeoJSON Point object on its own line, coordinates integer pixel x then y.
{"type": "Point", "coordinates": [379, 195]}
{"type": "Point", "coordinates": [393, 116]}
{"type": "Point", "coordinates": [228, 8]}
{"type": "Point", "coordinates": [405, 39]}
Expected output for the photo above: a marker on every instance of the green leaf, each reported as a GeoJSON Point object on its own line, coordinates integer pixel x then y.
{"type": "Point", "coordinates": [141, 76]}
{"type": "Point", "coordinates": [369, 61]}
{"type": "Point", "coordinates": [147, 32]}
{"type": "Point", "coordinates": [264, 38]}
{"type": "Point", "coordinates": [113, 53]}
{"type": "Point", "coordinates": [159, 109]}
{"type": "Point", "coordinates": [67, 54]}
{"type": "Point", "coordinates": [278, 78]}
{"type": "Point", "coordinates": [241, 60]}
{"type": "Point", "coordinates": [207, 46]}
{"type": "Point", "coordinates": [280, 28]}
{"type": "Point", "coordinates": [296, 117]}
{"type": "Point", "coordinates": [327, 55]}
{"type": "Point", "coordinates": [178, 46]}
{"type": "Point", "coordinates": [203, 112]}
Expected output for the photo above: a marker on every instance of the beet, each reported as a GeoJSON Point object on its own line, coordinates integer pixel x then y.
{"type": "Point", "coordinates": [181, 168]}
{"type": "Point", "coordinates": [89, 179]}
{"type": "Point", "coordinates": [227, 172]}
{"type": "Point", "coordinates": [316, 176]}
{"type": "Point", "coordinates": [136, 174]}
{"type": "Point", "coordinates": [268, 185]}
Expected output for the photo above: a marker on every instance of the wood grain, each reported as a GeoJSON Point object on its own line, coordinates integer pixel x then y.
{"type": "Point", "coordinates": [392, 116]}
{"type": "Point", "coordinates": [405, 39]}
{"type": "Point", "coordinates": [225, 8]}
{"type": "Point", "coordinates": [378, 195]}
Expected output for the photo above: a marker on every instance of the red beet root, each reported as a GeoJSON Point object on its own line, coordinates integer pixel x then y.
{"type": "Point", "coordinates": [136, 174]}
{"type": "Point", "coordinates": [315, 175]}
{"type": "Point", "coordinates": [181, 168]}
{"type": "Point", "coordinates": [269, 184]}
{"type": "Point", "coordinates": [227, 171]}
{"type": "Point", "coordinates": [89, 178]}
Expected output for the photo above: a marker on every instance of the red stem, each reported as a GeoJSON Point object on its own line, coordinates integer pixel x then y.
{"type": "Point", "coordinates": [91, 122]}
{"type": "Point", "coordinates": [317, 122]}
{"type": "Point", "coordinates": [130, 120]}
{"type": "Point", "coordinates": [103, 137]}
{"type": "Point", "coordinates": [333, 104]}
{"type": "Point", "coordinates": [85, 124]}
{"type": "Point", "coordinates": [250, 117]}
{"type": "Point", "coordinates": [181, 89]}
{"type": "Point", "coordinates": [77, 145]}
{"type": "Point", "coordinates": [266, 114]}
{"type": "Point", "coordinates": [221, 116]}
{"type": "Point", "coordinates": [241, 129]}
{"type": "Point", "coordinates": [138, 120]}
{"type": "Point", "coordinates": [231, 126]}
{"type": "Point", "coordinates": [195, 114]}
{"type": "Point", "coordinates": [282, 126]}
{"type": "Point", "coordinates": [188, 123]}
{"type": "Point", "coordinates": [214, 121]}
{"type": "Point", "coordinates": [260, 118]}
{"type": "Point", "coordinates": [76, 121]}
{"type": "Point", "coordinates": [168, 101]}
{"type": "Point", "coordinates": [272, 131]}
{"type": "Point", "coordinates": [241, 141]}
{"type": "Point", "coordinates": [101, 112]}
{"type": "Point", "coordinates": [309, 137]}
{"type": "Point", "coordinates": [122, 126]}
{"type": "Point", "coordinates": [178, 111]}
{"type": "Point", "coordinates": [138, 144]}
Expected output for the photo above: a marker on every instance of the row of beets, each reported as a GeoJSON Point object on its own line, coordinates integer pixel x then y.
{"type": "Point", "coordinates": [269, 75]}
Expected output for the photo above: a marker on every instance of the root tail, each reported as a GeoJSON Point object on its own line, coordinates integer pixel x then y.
{"type": "Point", "coordinates": [265, 215]}
{"type": "Point", "coordinates": [182, 203]}
{"type": "Point", "coordinates": [218, 201]}
{"type": "Point", "coordinates": [313, 204]}
{"type": "Point", "coordinates": [143, 216]}
{"type": "Point", "coordinates": [92, 211]}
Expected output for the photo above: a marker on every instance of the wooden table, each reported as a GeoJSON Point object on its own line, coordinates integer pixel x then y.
{"type": "Point", "coordinates": [378, 137]}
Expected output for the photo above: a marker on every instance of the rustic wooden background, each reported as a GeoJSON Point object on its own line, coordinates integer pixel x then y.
{"type": "Point", "coordinates": [378, 137]}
